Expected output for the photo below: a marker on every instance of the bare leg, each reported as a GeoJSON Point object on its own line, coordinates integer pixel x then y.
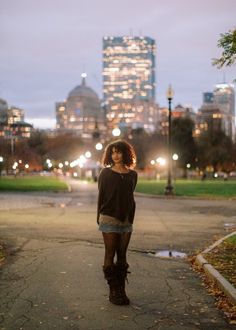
{"type": "Point", "coordinates": [111, 242]}
{"type": "Point", "coordinates": [123, 244]}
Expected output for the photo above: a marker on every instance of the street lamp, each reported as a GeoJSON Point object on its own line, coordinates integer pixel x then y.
{"type": "Point", "coordinates": [1, 164]}
{"type": "Point", "coordinates": [169, 189]}
{"type": "Point", "coordinates": [175, 157]}
{"type": "Point", "coordinates": [116, 132]}
{"type": "Point", "coordinates": [98, 146]}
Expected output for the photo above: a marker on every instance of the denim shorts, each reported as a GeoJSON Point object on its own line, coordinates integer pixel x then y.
{"type": "Point", "coordinates": [106, 228]}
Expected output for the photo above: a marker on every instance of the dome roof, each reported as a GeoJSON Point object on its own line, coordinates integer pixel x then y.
{"type": "Point", "coordinates": [83, 91]}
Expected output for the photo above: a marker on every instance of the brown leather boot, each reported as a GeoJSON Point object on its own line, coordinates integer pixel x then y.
{"type": "Point", "coordinates": [115, 296]}
{"type": "Point", "coordinates": [122, 271]}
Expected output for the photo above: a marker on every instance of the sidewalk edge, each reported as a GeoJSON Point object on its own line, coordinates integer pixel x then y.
{"type": "Point", "coordinates": [214, 275]}
{"type": "Point", "coordinates": [215, 198]}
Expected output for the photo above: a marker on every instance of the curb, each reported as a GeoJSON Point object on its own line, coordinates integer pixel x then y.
{"type": "Point", "coordinates": [214, 275]}
{"type": "Point", "coordinates": [215, 198]}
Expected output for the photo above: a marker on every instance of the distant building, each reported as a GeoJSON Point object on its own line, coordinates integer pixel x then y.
{"type": "Point", "coordinates": [12, 124]}
{"type": "Point", "coordinates": [210, 116]}
{"type": "Point", "coordinates": [15, 115]}
{"type": "Point", "coordinates": [208, 98]}
{"type": "Point", "coordinates": [81, 113]}
{"type": "Point", "coordinates": [224, 98]}
{"type": "Point", "coordinates": [180, 111]}
{"type": "Point", "coordinates": [3, 111]}
{"type": "Point", "coordinates": [218, 110]}
{"type": "Point", "coordinates": [129, 82]}
{"type": "Point", "coordinates": [163, 127]}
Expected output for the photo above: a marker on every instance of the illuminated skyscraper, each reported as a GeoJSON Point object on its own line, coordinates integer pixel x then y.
{"type": "Point", "coordinates": [224, 98]}
{"type": "Point", "coordinates": [218, 110]}
{"type": "Point", "coordinates": [129, 81]}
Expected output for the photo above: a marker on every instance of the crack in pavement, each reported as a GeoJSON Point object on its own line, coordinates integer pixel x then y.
{"type": "Point", "coordinates": [11, 296]}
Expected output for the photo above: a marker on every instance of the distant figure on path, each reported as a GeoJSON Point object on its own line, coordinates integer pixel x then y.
{"type": "Point", "coordinates": [204, 176]}
{"type": "Point", "coordinates": [115, 214]}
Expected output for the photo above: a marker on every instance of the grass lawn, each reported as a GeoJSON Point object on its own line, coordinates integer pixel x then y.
{"type": "Point", "coordinates": [207, 188]}
{"type": "Point", "coordinates": [31, 183]}
{"type": "Point", "coordinates": [223, 258]}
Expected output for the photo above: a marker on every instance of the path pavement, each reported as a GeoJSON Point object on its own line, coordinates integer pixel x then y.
{"type": "Point", "coordinates": [53, 280]}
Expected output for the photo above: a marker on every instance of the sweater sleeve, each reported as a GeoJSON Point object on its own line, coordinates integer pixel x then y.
{"type": "Point", "coordinates": [135, 180]}
{"type": "Point", "coordinates": [101, 185]}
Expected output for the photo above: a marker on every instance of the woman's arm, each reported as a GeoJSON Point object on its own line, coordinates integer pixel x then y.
{"type": "Point", "coordinates": [101, 185]}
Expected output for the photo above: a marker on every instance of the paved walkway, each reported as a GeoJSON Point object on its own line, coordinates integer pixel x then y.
{"type": "Point", "coordinates": [9, 201]}
{"type": "Point", "coordinates": [53, 276]}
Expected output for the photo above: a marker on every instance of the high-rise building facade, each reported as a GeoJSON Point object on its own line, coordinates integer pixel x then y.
{"type": "Point", "coordinates": [218, 110]}
{"type": "Point", "coordinates": [224, 98]}
{"type": "Point", "coordinates": [129, 81]}
{"type": "Point", "coordinates": [12, 124]}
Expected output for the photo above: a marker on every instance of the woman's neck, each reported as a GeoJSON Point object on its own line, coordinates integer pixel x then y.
{"type": "Point", "coordinates": [119, 167]}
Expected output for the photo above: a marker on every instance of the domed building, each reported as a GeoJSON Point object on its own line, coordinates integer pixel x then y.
{"type": "Point", "coordinates": [81, 112]}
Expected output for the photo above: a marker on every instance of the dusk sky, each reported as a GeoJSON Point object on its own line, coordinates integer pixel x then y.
{"type": "Point", "coordinates": [47, 44]}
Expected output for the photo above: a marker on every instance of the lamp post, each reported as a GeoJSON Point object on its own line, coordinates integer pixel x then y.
{"type": "Point", "coordinates": [169, 189]}
{"type": "Point", "coordinates": [1, 164]}
{"type": "Point", "coordinates": [116, 132]}
{"type": "Point", "coordinates": [175, 157]}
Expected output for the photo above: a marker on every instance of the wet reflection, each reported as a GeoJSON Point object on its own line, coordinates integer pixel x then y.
{"type": "Point", "coordinates": [168, 254]}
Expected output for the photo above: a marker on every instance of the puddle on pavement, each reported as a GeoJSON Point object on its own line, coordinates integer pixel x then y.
{"type": "Point", "coordinates": [168, 254]}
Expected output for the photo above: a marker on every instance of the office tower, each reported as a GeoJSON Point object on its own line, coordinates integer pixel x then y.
{"type": "Point", "coordinates": [224, 98]}
{"type": "Point", "coordinates": [129, 81]}
{"type": "Point", "coordinates": [15, 115]}
{"type": "Point", "coordinates": [3, 111]}
{"type": "Point", "coordinates": [218, 110]}
{"type": "Point", "coordinates": [208, 97]}
{"type": "Point", "coordinates": [12, 124]}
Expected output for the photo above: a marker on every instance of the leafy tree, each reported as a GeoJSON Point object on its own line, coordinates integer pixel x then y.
{"type": "Point", "coordinates": [147, 146]}
{"type": "Point", "coordinates": [38, 142]}
{"type": "Point", "coordinates": [215, 149]}
{"type": "Point", "coordinates": [227, 41]}
{"type": "Point", "coordinates": [183, 142]}
{"type": "Point", "coordinates": [64, 147]}
{"type": "Point", "coordinates": [140, 142]}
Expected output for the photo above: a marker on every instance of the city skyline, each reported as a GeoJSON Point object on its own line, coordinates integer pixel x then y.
{"type": "Point", "coordinates": [41, 63]}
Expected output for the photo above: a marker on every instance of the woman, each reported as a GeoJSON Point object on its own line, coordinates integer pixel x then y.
{"type": "Point", "coordinates": [116, 208]}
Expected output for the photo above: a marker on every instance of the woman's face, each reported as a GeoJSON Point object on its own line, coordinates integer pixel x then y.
{"type": "Point", "coordinates": [116, 156]}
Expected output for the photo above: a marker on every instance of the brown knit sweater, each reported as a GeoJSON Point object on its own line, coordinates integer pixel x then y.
{"type": "Point", "coordinates": [115, 197]}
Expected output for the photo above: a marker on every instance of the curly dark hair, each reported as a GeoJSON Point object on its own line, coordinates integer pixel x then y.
{"type": "Point", "coordinates": [128, 153]}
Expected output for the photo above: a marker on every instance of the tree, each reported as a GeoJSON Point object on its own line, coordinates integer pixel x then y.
{"type": "Point", "coordinates": [140, 142]}
{"type": "Point", "coordinates": [64, 147]}
{"type": "Point", "coordinates": [183, 142]}
{"type": "Point", "coordinates": [227, 41]}
{"type": "Point", "coordinates": [147, 146]}
{"type": "Point", "coordinates": [215, 149]}
{"type": "Point", "coordinates": [38, 142]}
